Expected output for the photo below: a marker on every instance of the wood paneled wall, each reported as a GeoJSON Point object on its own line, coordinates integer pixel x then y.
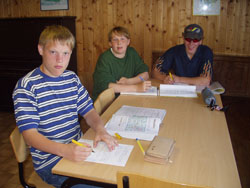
{"type": "Point", "coordinates": [153, 24]}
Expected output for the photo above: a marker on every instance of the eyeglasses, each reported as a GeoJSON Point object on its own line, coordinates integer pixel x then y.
{"type": "Point", "coordinates": [194, 40]}
{"type": "Point", "coordinates": [121, 40]}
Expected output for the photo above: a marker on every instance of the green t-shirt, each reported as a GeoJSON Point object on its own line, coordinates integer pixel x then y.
{"type": "Point", "coordinates": [110, 69]}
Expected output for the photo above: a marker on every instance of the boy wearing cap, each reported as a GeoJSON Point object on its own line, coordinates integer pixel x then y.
{"type": "Point", "coordinates": [190, 63]}
{"type": "Point", "coordinates": [120, 67]}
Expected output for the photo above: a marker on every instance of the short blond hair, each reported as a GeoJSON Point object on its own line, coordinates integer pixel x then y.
{"type": "Point", "coordinates": [120, 31]}
{"type": "Point", "coordinates": [57, 33]}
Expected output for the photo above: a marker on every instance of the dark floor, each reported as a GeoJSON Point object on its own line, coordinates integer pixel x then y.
{"type": "Point", "coordinates": [238, 120]}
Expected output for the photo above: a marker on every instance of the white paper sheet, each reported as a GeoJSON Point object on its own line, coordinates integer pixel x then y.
{"type": "Point", "coordinates": [152, 91]}
{"type": "Point", "coordinates": [178, 90]}
{"type": "Point", "coordinates": [101, 154]}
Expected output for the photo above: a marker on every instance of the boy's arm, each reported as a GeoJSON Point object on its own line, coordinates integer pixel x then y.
{"type": "Point", "coordinates": [70, 151]}
{"type": "Point", "coordinates": [135, 80]}
{"type": "Point", "coordinates": [158, 75]}
{"type": "Point", "coordinates": [199, 80]}
{"type": "Point", "coordinates": [96, 123]}
{"type": "Point", "coordinates": [135, 84]}
{"type": "Point", "coordinates": [203, 80]}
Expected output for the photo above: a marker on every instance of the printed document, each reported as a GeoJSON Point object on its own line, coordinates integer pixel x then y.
{"type": "Point", "coordinates": [101, 154]}
{"type": "Point", "coordinates": [178, 90]}
{"type": "Point", "coordinates": [136, 122]}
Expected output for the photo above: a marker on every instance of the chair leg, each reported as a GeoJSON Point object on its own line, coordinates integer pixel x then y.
{"type": "Point", "coordinates": [21, 177]}
{"type": "Point", "coordinates": [125, 182]}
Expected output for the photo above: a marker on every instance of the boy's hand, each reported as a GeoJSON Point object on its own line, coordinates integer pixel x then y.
{"type": "Point", "coordinates": [143, 86]}
{"type": "Point", "coordinates": [102, 135]}
{"type": "Point", "coordinates": [123, 80]}
{"type": "Point", "coordinates": [76, 153]}
{"type": "Point", "coordinates": [169, 80]}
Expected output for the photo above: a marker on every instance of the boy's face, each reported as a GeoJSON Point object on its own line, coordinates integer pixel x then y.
{"type": "Point", "coordinates": [191, 47]}
{"type": "Point", "coordinates": [119, 45]}
{"type": "Point", "coordinates": [55, 58]}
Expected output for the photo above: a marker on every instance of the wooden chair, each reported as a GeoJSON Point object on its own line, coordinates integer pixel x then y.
{"type": "Point", "coordinates": [104, 100]}
{"type": "Point", "coordinates": [134, 180]}
{"type": "Point", "coordinates": [21, 151]}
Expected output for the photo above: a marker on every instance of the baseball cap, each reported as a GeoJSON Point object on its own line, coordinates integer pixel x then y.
{"type": "Point", "coordinates": [193, 31]}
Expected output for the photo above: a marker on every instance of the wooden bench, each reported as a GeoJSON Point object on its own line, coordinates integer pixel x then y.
{"type": "Point", "coordinates": [233, 72]}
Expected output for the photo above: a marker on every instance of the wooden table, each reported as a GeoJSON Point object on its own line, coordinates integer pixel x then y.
{"type": "Point", "coordinates": [203, 153]}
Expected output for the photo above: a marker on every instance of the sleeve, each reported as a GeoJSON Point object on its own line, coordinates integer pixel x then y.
{"type": "Point", "coordinates": [102, 76]}
{"type": "Point", "coordinates": [84, 102]}
{"type": "Point", "coordinates": [25, 107]}
{"type": "Point", "coordinates": [207, 63]}
{"type": "Point", "coordinates": [140, 66]}
{"type": "Point", "coordinates": [165, 62]}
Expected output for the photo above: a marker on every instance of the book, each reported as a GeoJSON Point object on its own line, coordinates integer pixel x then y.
{"type": "Point", "coordinates": [152, 91]}
{"type": "Point", "coordinates": [177, 90]}
{"type": "Point", "coordinates": [160, 150]}
{"type": "Point", "coordinates": [136, 122]}
{"type": "Point", "coordinates": [215, 87]}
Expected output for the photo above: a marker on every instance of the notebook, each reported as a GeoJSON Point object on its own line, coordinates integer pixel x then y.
{"type": "Point", "coordinates": [152, 91]}
{"type": "Point", "coordinates": [177, 90]}
{"type": "Point", "coordinates": [215, 87]}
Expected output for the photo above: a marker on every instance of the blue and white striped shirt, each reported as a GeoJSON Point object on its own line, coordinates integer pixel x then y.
{"type": "Point", "coordinates": [50, 105]}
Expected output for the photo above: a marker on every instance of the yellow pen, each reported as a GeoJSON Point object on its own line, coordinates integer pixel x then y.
{"type": "Point", "coordinates": [171, 76]}
{"type": "Point", "coordinates": [79, 144]}
{"type": "Point", "coordinates": [139, 143]}
{"type": "Point", "coordinates": [118, 136]}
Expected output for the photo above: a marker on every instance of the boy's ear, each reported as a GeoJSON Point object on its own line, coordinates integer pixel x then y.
{"type": "Point", "coordinates": [40, 49]}
{"type": "Point", "coordinates": [110, 44]}
{"type": "Point", "coordinates": [128, 41]}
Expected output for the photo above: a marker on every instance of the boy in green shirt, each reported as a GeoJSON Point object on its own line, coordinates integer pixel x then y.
{"type": "Point", "coordinates": [120, 67]}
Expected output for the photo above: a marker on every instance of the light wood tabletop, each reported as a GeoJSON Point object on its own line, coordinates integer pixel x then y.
{"type": "Point", "coordinates": [203, 152]}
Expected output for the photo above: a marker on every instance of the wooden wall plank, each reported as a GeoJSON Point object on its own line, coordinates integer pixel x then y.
{"type": "Point", "coordinates": [153, 24]}
{"type": "Point", "coordinates": [147, 35]}
{"type": "Point", "coordinates": [246, 38]}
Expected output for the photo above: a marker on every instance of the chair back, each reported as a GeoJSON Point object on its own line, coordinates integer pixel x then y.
{"type": "Point", "coordinates": [22, 152]}
{"type": "Point", "coordinates": [134, 180]}
{"type": "Point", "coordinates": [19, 146]}
{"type": "Point", "coordinates": [104, 100]}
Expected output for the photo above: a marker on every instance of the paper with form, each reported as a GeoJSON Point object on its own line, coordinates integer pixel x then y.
{"type": "Point", "coordinates": [136, 122]}
{"type": "Point", "coordinates": [143, 128]}
{"type": "Point", "coordinates": [117, 157]}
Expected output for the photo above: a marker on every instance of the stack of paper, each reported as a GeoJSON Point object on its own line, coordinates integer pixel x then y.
{"type": "Point", "coordinates": [136, 122]}
{"type": "Point", "coordinates": [152, 91]}
{"type": "Point", "coordinates": [178, 90]}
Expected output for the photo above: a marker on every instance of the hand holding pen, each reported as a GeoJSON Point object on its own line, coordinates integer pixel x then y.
{"type": "Point", "coordinates": [80, 144]}
{"type": "Point", "coordinates": [144, 85]}
{"type": "Point", "coordinates": [170, 79]}
{"type": "Point", "coordinates": [74, 152]}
